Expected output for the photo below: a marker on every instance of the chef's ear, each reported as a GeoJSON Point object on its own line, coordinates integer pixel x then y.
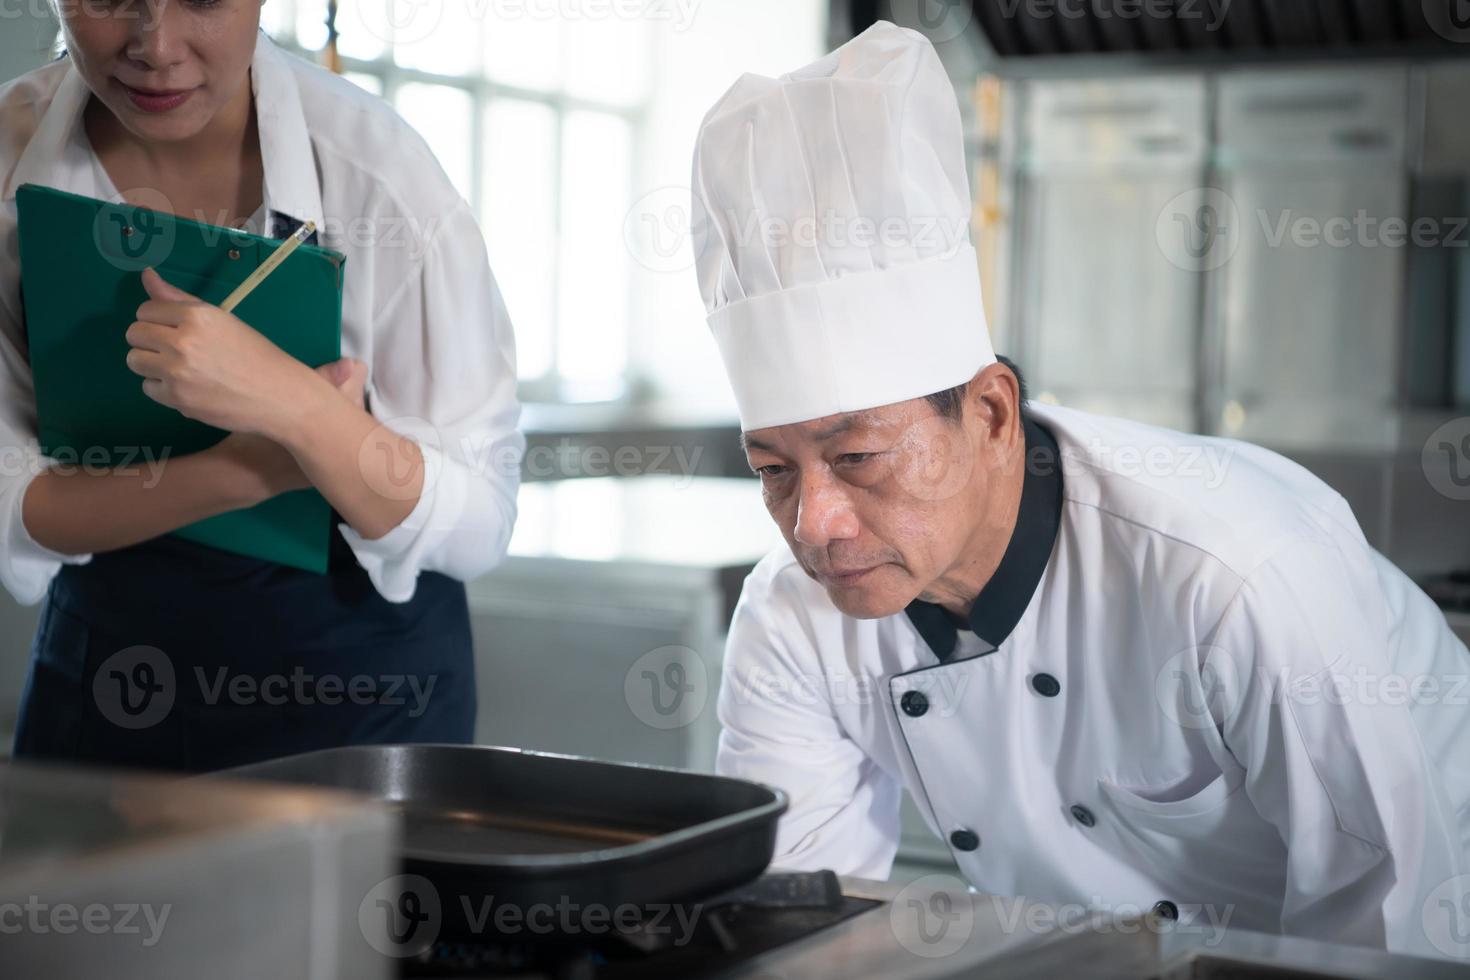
{"type": "Point", "coordinates": [994, 397]}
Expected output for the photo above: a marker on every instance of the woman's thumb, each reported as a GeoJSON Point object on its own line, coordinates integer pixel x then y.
{"type": "Point", "coordinates": [160, 289]}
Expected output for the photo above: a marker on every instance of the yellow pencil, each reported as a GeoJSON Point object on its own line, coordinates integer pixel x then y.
{"type": "Point", "coordinates": [267, 267]}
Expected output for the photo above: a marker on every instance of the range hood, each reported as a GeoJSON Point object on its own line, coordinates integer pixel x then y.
{"type": "Point", "coordinates": [1178, 29]}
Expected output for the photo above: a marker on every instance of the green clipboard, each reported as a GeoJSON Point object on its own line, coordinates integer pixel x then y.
{"type": "Point", "coordinates": [81, 261]}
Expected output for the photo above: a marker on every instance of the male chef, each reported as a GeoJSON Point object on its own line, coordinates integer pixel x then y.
{"type": "Point", "coordinates": [1113, 664]}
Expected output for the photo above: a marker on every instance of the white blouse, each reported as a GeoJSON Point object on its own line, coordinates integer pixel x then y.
{"type": "Point", "coordinates": [420, 305]}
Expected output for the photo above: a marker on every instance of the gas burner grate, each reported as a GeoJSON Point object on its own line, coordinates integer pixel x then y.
{"type": "Point", "coordinates": [773, 911]}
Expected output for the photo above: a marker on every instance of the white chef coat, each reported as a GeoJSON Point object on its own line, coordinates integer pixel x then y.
{"type": "Point", "coordinates": [420, 305]}
{"type": "Point", "coordinates": [1154, 722]}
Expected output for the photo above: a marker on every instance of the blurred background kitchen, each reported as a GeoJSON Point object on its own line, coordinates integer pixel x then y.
{"type": "Point", "coordinates": [1241, 218]}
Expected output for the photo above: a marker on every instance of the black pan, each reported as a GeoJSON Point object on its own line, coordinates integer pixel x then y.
{"type": "Point", "coordinates": [531, 829]}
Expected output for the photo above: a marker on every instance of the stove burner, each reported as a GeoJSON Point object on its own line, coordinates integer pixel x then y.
{"type": "Point", "coordinates": [774, 910]}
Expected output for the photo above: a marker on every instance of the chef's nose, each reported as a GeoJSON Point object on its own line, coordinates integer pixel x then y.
{"type": "Point", "coordinates": [157, 39]}
{"type": "Point", "coordinates": [823, 512]}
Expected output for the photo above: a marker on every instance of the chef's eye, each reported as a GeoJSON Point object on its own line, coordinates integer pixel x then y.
{"type": "Point", "coordinates": [854, 459]}
{"type": "Point", "coordinates": [771, 470]}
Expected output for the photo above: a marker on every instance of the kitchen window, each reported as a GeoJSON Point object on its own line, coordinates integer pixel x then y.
{"type": "Point", "coordinates": [537, 120]}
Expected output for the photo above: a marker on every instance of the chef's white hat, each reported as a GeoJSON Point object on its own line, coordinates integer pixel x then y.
{"type": "Point", "coordinates": [831, 218]}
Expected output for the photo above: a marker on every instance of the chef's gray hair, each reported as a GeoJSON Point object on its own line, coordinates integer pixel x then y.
{"type": "Point", "coordinates": [950, 402]}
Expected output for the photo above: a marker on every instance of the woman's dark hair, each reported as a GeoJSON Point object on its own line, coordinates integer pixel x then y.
{"type": "Point", "coordinates": [950, 402]}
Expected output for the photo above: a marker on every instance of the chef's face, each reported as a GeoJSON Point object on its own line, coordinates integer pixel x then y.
{"type": "Point", "coordinates": [887, 505]}
{"type": "Point", "coordinates": [164, 68]}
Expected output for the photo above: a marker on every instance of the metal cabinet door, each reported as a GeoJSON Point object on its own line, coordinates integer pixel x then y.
{"type": "Point", "coordinates": [1311, 304]}
{"type": "Point", "coordinates": [1112, 323]}
{"type": "Point", "coordinates": [1109, 323]}
{"type": "Point", "coordinates": [1310, 310]}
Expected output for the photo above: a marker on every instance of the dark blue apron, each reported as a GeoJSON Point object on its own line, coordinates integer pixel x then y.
{"type": "Point", "coordinates": [174, 655]}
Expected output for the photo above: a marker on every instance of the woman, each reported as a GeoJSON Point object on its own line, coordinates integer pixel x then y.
{"type": "Point", "coordinates": [155, 651]}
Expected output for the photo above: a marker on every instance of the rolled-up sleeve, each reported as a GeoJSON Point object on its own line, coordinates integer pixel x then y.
{"type": "Point", "coordinates": [442, 372]}
{"type": "Point", "coordinates": [26, 568]}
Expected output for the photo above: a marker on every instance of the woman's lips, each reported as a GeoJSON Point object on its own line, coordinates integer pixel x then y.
{"type": "Point", "coordinates": [157, 101]}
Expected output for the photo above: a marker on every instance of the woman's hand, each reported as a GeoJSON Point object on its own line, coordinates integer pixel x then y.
{"type": "Point", "coordinates": [206, 363]}
{"type": "Point", "coordinates": [265, 467]}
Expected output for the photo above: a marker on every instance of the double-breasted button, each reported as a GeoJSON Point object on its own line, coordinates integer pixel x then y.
{"type": "Point", "coordinates": [964, 840]}
{"type": "Point", "coordinates": [1166, 910]}
{"type": "Point", "coordinates": [1083, 815]}
{"type": "Point", "coordinates": [914, 703]}
{"type": "Point", "coordinates": [1046, 685]}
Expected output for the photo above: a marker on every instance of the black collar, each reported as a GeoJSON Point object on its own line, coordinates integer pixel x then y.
{"type": "Point", "coordinates": [279, 224]}
{"type": "Point", "coordinates": [998, 607]}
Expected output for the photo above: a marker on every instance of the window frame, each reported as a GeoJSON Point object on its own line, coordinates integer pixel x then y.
{"type": "Point", "coordinates": [551, 387]}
